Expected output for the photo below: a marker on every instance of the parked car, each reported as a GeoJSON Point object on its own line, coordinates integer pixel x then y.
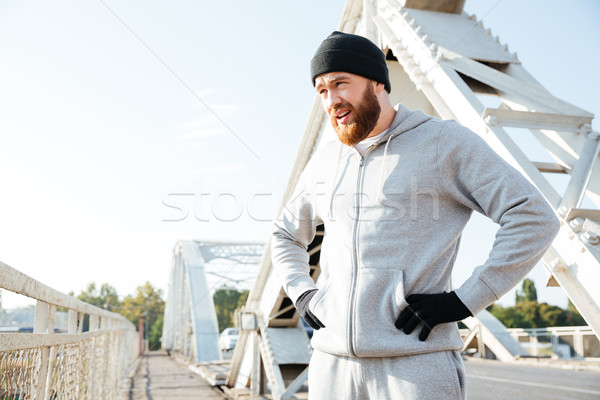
{"type": "Point", "coordinates": [228, 338]}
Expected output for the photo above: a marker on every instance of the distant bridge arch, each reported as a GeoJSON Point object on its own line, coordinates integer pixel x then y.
{"type": "Point", "coordinates": [190, 326]}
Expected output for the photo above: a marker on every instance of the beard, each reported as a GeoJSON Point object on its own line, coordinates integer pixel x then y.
{"type": "Point", "coordinates": [365, 117]}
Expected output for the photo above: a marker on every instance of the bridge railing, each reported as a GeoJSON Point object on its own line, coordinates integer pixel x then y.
{"type": "Point", "coordinates": [565, 342]}
{"type": "Point", "coordinates": [64, 365]}
{"type": "Point", "coordinates": [577, 342]}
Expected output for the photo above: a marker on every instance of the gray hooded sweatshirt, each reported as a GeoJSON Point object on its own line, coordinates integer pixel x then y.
{"type": "Point", "coordinates": [393, 220]}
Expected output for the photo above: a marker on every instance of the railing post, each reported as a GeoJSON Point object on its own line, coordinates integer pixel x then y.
{"type": "Point", "coordinates": [52, 360]}
{"type": "Point", "coordinates": [73, 320]}
{"type": "Point", "coordinates": [94, 322]}
{"type": "Point", "coordinates": [140, 337]}
{"type": "Point", "coordinates": [554, 341]}
{"type": "Point", "coordinates": [578, 342]}
{"type": "Point", "coordinates": [73, 327]}
{"type": "Point", "coordinates": [42, 311]}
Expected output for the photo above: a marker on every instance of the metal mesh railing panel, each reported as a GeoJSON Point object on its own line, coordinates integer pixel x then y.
{"type": "Point", "coordinates": [19, 373]}
{"type": "Point", "coordinates": [63, 382]}
{"type": "Point", "coordinates": [89, 369]}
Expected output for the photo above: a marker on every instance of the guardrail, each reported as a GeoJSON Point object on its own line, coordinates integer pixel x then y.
{"type": "Point", "coordinates": [569, 342]}
{"type": "Point", "coordinates": [564, 342]}
{"type": "Point", "coordinates": [72, 365]}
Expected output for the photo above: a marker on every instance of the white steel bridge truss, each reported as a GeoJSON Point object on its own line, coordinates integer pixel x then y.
{"type": "Point", "coordinates": [190, 326]}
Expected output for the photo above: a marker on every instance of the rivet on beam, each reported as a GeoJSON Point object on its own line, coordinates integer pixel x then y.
{"type": "Point", "coordinates": [576, 224]}
{"type": "Point", "coordinates": [590, 237]}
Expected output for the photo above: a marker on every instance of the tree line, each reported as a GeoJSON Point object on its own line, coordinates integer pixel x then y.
{"type": "Point", "coordinates": [528, 313]}
{"type": "Point", "coordinates": [148, 304]}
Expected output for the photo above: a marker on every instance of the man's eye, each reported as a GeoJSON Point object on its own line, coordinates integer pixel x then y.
{"type": "Point", "coordinates": [322, 92]}
{"type": "Point", "coordinates": [338, 84]}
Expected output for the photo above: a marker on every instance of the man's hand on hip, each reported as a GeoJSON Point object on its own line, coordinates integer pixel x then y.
{"type": "Point", "coordinates": [431, 309]}
{"type": "Point", "coordinates": [304, 311]}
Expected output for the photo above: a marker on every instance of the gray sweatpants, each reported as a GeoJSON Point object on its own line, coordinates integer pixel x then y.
{"type": "Point", "coordinates": [430, 376]}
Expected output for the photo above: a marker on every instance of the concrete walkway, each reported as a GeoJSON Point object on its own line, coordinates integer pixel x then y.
{"type": "Point", "coordinates": [159, 377]}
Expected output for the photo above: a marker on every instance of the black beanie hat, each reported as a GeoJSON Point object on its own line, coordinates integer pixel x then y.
{"type": "Point", "coordinates": [345, 52]}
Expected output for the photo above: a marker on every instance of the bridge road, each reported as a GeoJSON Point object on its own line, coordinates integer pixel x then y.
{"type": "Point", "coordinates": [492, 380]}
{"type": "Point", "coordinates": [159, 377]}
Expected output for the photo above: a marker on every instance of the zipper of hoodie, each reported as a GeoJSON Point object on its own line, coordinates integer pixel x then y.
{"type": "Point", "coordinates": [353, 282]}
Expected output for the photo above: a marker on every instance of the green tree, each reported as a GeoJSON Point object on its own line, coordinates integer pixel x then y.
{"type": "Point", "coordinates": [527, 292]}
{"type": "Point", "coordinates": [106, 297]}
{"type": "Point", "coordinates": [243, 299]}
{"type": "Point", "coordinates": [528, 313]}
{"type": "Point", "coordinates": [155, 334]}
{"type": "Point", "coordinates": [147, 303]}
{"type": "Point", "coordinates": [511, 317]}
{"type": "Point", "coordinates": [531, 314]}
{"type": "Point", "coordinates": [574, 318]}
{"type": "Point", "coordinates": [226, 302]}
{"type": "Point", "coordinates": [541, 315]}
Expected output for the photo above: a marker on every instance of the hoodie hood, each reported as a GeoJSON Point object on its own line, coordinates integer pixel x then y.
{"type": "Point", "coordinates": [404, 121]}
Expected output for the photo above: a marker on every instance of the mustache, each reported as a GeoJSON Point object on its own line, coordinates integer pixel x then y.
{"type": "Point", "coordinates": [341, 106]}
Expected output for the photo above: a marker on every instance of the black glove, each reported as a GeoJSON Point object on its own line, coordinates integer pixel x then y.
{"type": "Point", "coordinates": [431, 309]}
{"type": "Point", "coordinates": [304, 311]}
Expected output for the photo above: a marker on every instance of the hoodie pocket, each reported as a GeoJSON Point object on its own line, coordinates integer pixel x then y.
{"type": "Point", "coordinates": [330, 306]}
{"type": "Point", "coordinates": [379, 302]}
{"type": "Point", "coordinates": [319, 296]}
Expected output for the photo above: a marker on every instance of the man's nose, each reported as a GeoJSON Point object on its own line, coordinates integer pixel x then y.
{"type": "Point", "coordinates": [332, 100]}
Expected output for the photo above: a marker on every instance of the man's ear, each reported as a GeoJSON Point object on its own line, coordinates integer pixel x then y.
{"type": "Point", "coordinates": [378, 86]}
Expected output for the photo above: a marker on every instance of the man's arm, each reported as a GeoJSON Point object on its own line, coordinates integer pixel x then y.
{"type": "Point", "coordinates": [474, 175]}
{"type": "Point", "coordinates": [293, 231]}
{"type": "Point", "coordinates": [478, 177]}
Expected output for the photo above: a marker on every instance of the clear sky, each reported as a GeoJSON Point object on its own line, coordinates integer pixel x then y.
{"type": "Point", "coordinates": [109, 150]}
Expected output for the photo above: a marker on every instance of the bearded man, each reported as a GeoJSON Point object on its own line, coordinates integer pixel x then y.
{"type": "Point", "coordinates": [394, 202]}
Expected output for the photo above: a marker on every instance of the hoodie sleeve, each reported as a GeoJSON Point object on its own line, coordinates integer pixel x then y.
{"type": "Point", "coordinates": [293, 231]}
{"type": "Point", "coordinates": [476, 176]}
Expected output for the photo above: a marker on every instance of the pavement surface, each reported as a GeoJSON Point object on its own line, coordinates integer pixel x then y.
{"type": "Point", "coordinates": [493, 380]}
{"type": "Point", "coordinates": [159, 377]}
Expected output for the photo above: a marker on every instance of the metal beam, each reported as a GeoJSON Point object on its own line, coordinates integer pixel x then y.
{"type": "Point", "coordinates": [581, 173]}
{"type": "Point", "coordinates": [535, 120]}
{"type": "Point", "coordinates": [531, 93]}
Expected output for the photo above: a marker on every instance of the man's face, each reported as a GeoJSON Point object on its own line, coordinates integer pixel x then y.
{"type": "Point", "coordinates": [351, 103]}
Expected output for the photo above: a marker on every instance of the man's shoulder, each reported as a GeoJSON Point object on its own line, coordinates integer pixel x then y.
{"type": "Point", "coordinates": [452, 130]}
